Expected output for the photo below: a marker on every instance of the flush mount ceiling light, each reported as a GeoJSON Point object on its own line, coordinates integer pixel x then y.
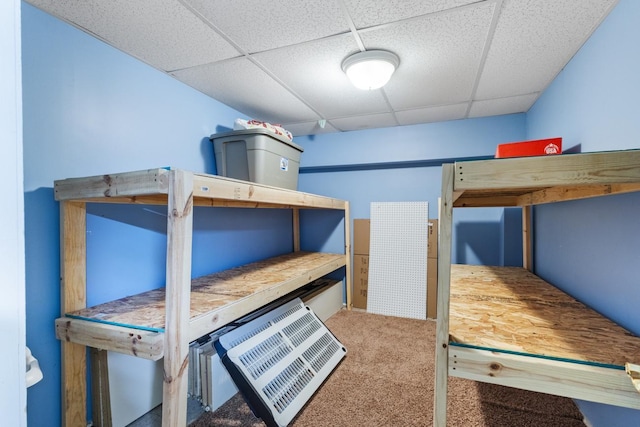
{"type": "Point", "coordinates": [370, 69]}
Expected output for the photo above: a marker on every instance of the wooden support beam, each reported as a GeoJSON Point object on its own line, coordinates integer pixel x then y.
{"type": "Point", "coordinates": [295, 213]}
{"type": "Point", "coordinates": [137, 183]}
{"type": "Point", "coordinates": [134, 342]}
{"type": "Point", "coordinates": [73, 271]}
{"type": "Point", "coordinates": [527, 237]}
{"type": "Point", "coordinates": [633, 371]}
{"type": "Point", "coordinates": [577, 381]}
{"type": "Point", "coordinates": [347, 251]}
{"type": "Point", "coordinates": [564, 193]}
{"type": "Point", "coordinates": [101, 406]}
{"type": "Point", "coordinates": [178, 287]}
{"type": "Point", "coordinates": [445, 225]}
{"type": "Point", "coordinates": [613, 167]}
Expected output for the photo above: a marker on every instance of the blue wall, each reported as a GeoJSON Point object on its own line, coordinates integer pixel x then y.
{"type": "Point", "coordinates": [477, 233]}
{"type": "Point", "coordinates": [591, 248]}
{"type": "Point", "coordinates": [89, 109]}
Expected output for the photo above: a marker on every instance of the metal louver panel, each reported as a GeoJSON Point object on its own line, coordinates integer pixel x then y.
{"type": "Point", "coordinates": [280, 359]}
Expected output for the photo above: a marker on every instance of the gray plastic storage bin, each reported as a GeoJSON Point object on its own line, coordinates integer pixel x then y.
{"type": "Point", "coordinates": [257, 155]}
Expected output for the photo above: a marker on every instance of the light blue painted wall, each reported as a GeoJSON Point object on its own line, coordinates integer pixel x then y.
{"type": "Point", "coordinates": [89, 109]}
{"type": "Point", "coordinates": [477, 236]}
{"type": "Point", "coordinates": [591, 248]}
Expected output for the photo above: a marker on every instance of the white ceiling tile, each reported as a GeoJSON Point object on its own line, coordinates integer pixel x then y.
{"type": "Point", "coordinates": [242, 85]}
{"type": "Point", "coordinates": [367, 13]}
{"type": "Point", "coordinates": [281, 61]}
{"type": "Point", "coordinates": [432, 114]}
{"type": "Point", "coordinates": [257, 25]}
{"type": "Point", "coordinates": [494, 107]}
{"type": "Point", "coordinates": [371, 121]}
{"type": "Point", "coordinates": [534, 40]}
{"type": "Point", "coordinates": [162, 33]}
{"type": "Point", "coordinates": [309, 128]}
{"type": "Point", "coordinates": [439, 56]}
{"type": "Point", "coordinates": [314, 71]}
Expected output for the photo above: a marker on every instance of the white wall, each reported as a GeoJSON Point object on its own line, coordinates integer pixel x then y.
{"type": "Point", "coordinates": [12, 307]}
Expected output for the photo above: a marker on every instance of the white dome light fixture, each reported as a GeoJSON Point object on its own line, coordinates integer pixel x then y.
{"type": "Point", "coordinates": [370, 69]}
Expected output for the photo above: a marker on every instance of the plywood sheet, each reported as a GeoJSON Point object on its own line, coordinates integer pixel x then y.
{"type": "Point", "coordinates": [398, 259]}
{"type": "Point", "coordinates": [209, 293]}
{"type": "Point", "coordinates": [509, 308]}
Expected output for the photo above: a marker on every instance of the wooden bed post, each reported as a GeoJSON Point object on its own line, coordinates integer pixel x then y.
{"type": "Point", "coordinates": [73, 294]}
{"type": "Point", "coordinates": [527, 238]}
{"type": "Point", "coordinates": [444, 275]}
{"type": "Point", "coordinates": [347, 252]}
{"type": "Point", "coordinates": [177, 299]}
{"type": "Point", "coordinates": [295, 214]}
{"type": "Point", "coordinates": [101, 400]}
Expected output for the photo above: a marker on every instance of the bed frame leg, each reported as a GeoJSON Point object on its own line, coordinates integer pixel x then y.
{"type": "Point", "coordinates": [444, 274]}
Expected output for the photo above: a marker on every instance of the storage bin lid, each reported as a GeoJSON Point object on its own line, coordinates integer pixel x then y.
{"type": "Point", "coordinates": [256, 131]}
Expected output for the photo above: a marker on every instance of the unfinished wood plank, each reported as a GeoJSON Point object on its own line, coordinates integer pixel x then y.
{"type": "Point", "coordinates": [295, 219]}
{"type": "Point", "coordinates": [145, 344]}
{"type": "Point", "coordinates": [509, 308]}
{"type": "Point", "coordinates": [151, 187]}
{"type": "Point", "coordinates": [101, 399]}
{"type": "Point", "coordinates": [471, 199]}
{"type": "Point", "coordinates": [614, 167]}
{"type": "Point", "coordinates": [208, 186]}
{"type": "Point", "coordinates": [564, 193]}
{"type": "Point", "coordinates": [592, 383]}
{"type": "Point", "coordinates": [152, 181]}
{"type": "Point", "coordinates": [633, 371]}
{"type": "Point", "coordinates": [445, 225]}
{"type": "Point", "coordinates": [212, 297]}
{"type": "Point", "coordinates": [73, 250]}
{"type": "Point", "coordinates": [253, 291]}
{"type": "Point", "coordinates": [347, 252]}
{"type": "Point", "coordinates": [177, 299]}
{"type": "Point", "coordinates": [527, 237]}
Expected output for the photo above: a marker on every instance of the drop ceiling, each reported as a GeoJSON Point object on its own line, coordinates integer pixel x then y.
{"type": "Point", "coordinates": [280, 61]}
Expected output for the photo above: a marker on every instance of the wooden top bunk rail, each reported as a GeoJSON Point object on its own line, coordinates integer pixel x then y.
{"type": "Point", "coordinates": [152, 187]}
{"type": "Point", "coordinates": [527, 181]}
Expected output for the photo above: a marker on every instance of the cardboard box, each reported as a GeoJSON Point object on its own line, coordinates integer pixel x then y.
{"type": "Point", "coordinates": [432, 248]}
{"type": "Point", "coordinates": [360, 281]}
{"type": "Point", "coordinates": [361, 238]}
{"type": "Point", "coordinates": [538, 147]}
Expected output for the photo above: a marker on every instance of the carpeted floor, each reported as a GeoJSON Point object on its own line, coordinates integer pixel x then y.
{"type": "Point", "coordinates": [387, 380]}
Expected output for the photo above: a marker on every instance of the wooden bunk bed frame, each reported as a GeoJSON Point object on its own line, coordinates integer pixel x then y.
{"type": "Point", "coordinates": [161, 323]}
{"type": "Point", "coordinates": [504, 325]}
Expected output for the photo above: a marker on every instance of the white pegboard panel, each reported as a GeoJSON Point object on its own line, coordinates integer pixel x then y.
{"type": "Point", "coordinates": [398, 259]}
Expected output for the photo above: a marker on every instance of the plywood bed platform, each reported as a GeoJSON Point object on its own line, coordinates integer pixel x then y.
{"type": "Point", "coordinates": [509, 327]}
{"type": "Point", "coordinates": [216, 300]}
{"type": "Point", "coordinates": [511, 310]}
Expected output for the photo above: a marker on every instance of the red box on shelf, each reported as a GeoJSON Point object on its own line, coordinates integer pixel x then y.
{"type": "Point", "coordinates": [538, 147]}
